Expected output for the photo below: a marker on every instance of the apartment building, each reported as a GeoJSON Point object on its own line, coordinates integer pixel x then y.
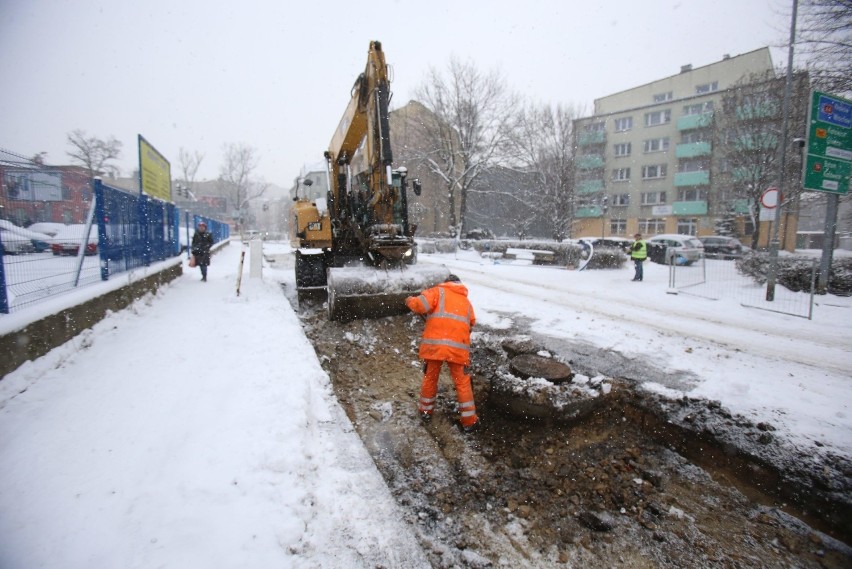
{"type": "Point", "coordinates": [644, 157]}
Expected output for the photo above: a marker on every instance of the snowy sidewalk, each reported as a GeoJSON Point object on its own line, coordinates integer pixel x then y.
{"type": "Point", "coordinates": [193, 429]}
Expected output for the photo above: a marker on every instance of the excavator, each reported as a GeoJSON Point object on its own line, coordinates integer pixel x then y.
{"type": "Point", "coordinates": [357, 244]}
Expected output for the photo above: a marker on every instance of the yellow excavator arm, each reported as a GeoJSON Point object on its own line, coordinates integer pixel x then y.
{"type": "Point", "coordinates": [365, 220]}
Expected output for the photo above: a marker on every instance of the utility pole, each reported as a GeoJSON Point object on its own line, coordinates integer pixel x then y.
{"type": "Point", "coordinates": [772, 272]}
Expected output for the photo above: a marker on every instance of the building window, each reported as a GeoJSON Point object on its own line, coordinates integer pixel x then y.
{"type": "Point", "coordinates": [618, 227]}
{"type": "Point", "coordinates": [657, 144]}
{"type": "Point", "coordinates": [687, 226]}
{"type": "Point", "coordinates": [654, 171]}
{"type": "Point", "coordinates": [652, 226]}
{"type": "Point", "coordinates": [621, 174]}
{"type": "Point", "coordinates": [653, 198]}
{"type": "Point", "coordinates": [695, 136]}
{"type": "Point", "coordinates": [658, 117]}
{"type": "Point", "coordinates": [698, 108]}
{"type": "Point", "coordinates": [692, 194]}
{"type": "Point", "coordinates": [623, 124]}
{"type": "Point", "coordinates": [620, 200]}
{"type": "Point", "coordinates": [663, 97]}
{"type": "Point", "coordinates": [622, 149]}
{"type": "Point", "coordinates": [595, 127]}
{"type": "Point", "coordinates": [691, 166]}
{"type": "Point", "coordinates": [707, 87]}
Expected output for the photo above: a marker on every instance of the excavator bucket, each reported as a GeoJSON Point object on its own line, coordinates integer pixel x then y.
{"type": "Point", "coordinates": [367, 292]}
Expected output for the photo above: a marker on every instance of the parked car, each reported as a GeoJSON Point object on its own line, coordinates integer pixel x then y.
{"type": "Point", "coordinates": [722, 246]}
{"type": "Point", "coordinates": [69, 239]}
{"type": "Point", "coordinates": [18, 240]}
{"type": "Point", "coordinates": [674, 249]}
{"type": "Point", "coordinates": [620, 243]}
{"type": "Point", "coordinates": [48, 228]}
{"type": "Point", "coordinates": [15, 243]}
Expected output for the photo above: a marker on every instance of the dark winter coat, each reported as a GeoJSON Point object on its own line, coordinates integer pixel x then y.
{"type": "Point", "coordinates": [202, 241]}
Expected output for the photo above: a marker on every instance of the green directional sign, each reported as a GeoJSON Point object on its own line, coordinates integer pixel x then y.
{"type": "Point", "coordinates": [828, 166]}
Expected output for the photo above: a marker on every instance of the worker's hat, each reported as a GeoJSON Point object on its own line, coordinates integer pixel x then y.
{"type": "Point", "coordinates": [451, 278]}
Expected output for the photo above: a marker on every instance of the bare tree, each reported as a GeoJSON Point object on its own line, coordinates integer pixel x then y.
{"type": "Point", "coordinates": [747, 139]}
{"type": "Point", "coordinates": [470, 130]}
{"type": "Point", "coordinates": [236, 182]}
{"type": "Point", "coordinates": [189, 164]}
{"type": "Point", "coordinates": [94, 153]}
{"type": "Point", "coordinates": [543, 143]}
{"type": "Point", "coordinates": [824, 39]}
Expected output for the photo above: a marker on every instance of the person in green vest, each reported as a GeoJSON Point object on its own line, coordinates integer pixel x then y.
{"type": "Point", "coordinates": [638, 252]}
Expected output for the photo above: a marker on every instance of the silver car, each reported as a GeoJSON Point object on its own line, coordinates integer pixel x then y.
{"type": "Point", "coordinates": [674, 249]}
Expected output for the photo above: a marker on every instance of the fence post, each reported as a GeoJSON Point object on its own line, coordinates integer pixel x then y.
{"type": "Point", "coordinates": [144, 226]}
{"type": "Point", "coordinates": [100, 215]}
{"type": "Point", "coordinates": [4, 299]}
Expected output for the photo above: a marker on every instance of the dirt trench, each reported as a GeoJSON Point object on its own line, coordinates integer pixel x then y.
{"type": "Point", "coordinates": [638, 482]}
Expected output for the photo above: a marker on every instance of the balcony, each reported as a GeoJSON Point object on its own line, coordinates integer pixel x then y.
{"type": "Point", "coordinates": [693, 149]}
{"type": "Point", "coordinates": [742, 206]}
{"type": "Point", "coordinates": [590, 186]}
{"type": "Point", "coordinates": [588, 211]}
{"type": "Point", "coordinates": [689, 122]}
{"type": "Point", "coordinates": [757, 141]}
{"type": "Point", "coordinates": [689, 208]}
{"type": "Point", "coordinates": [755, 111]}
{"type": "Point", "coordinates": [589, 138]}
{"type": "Point", "coordinates": [699, 178]}
{"type": "Point", "coordinates": [590, 162]}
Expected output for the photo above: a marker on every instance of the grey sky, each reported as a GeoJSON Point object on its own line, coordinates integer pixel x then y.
{"type": "Point", "coordinates": [277, 75]}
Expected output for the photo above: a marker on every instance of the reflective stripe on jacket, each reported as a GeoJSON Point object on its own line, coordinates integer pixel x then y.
{"type": "Point", "coordinates": [449, 318]}
{"type": "Point", "coordinates": [639, 250]}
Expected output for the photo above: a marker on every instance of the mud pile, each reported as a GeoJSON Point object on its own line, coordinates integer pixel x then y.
{"type": "Point", "coordinates": [633, 480]}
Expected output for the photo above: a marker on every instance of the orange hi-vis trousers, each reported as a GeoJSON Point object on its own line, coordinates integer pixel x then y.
{"type": "Point", "coordinates": [464, 391]}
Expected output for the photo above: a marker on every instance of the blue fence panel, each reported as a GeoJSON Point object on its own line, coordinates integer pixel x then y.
{"type": "Point", "coordinates": [133, 230]}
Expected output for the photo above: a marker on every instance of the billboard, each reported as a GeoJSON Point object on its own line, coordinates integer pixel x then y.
{"type": "Point", "coordinates": [155, 175]}
{"type": "Point", "coordinates": [27, 185]}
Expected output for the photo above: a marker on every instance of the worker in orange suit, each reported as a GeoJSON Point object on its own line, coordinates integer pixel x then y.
{"type": "Point", "coordinates": [446, 338]}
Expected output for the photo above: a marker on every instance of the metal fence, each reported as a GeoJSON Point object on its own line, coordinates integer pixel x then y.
{"type": "Point", "coordinates": [719, 278]}
{"type": "Point", "coordinates": [125, 230]}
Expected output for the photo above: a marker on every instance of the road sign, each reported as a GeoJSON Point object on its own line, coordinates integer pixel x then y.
{"type": "Point", "coordinates": [769, 198]}
{"type": "Point", "coordinates": [828, 166]}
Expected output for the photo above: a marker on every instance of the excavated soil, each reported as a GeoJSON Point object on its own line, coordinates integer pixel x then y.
{"type": "Point", "coordinates": [638, 481]}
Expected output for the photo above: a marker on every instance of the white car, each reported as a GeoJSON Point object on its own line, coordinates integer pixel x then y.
{"type": "Point", "coordinates": [674, 249]}
{"type": "Point", "coordinates": [17, 240]}
{"type": "Point", "coordinates": [69, 239]}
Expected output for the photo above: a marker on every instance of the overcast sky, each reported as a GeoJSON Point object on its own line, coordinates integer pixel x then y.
{"type": "Point", "coordinates": [277, 75]}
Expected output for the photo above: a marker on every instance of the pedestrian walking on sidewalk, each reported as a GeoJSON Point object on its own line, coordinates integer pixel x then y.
{"type": "Point", "coordinates": [202, 242]}
{"type": "Point", "coordinates": [446, 338]}
{"type": "Point", "coordinates": [638, 252]}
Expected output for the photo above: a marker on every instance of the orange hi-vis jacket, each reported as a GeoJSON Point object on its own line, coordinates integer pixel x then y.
{"type": "Point", "coordinates": [449, 318]}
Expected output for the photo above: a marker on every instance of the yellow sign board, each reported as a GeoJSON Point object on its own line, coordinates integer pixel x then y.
{"type": "Point", "coordinates": [155, 175]}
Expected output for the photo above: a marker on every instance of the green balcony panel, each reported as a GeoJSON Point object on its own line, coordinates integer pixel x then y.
{"type": "Point", "coordinates": [590, 186]}
{"type": "Point", "coordinates": [756, 141]}
{"type": "Point", "coordinates": [746, 173]}
{"type": "Point", "coordinates": [693, 149]}
{"type": "Point", "coordinates": [741, 206]}
{"type": "Point", "coordinates": [589, 138]}
{"type": "Point", "coordinates": [694, 121]}
{"type": "Point", "coordinates": [588, 211]}
{"type": "Point", "coordinates": [760, 110]}
{"type": "Point", "coordinates": [700, 178]}
{"type": "Point", "coordinates": [590, 162]}
{"type": "Point", "coordinates": [689, 208]}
